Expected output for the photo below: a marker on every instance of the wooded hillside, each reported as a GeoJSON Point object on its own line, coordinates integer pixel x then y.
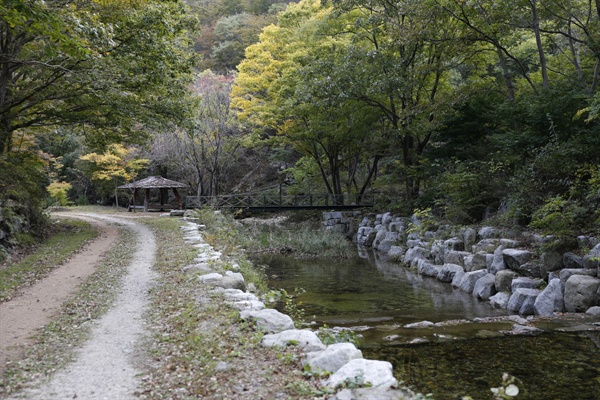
{"type": "Point", "coordinates": [472, 109]}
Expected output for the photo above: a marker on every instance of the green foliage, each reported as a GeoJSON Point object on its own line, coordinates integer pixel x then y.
{"type": "Point", "coordinates": [425, 220]}
{"type": "Point", "coordinates": [290, 306]}
{"type": "Point", "coordinates": [330, 336]}
{"type": "Point", "coordinates": [560, 217]}
{"type": "Point", "coordinates": [59, 193]}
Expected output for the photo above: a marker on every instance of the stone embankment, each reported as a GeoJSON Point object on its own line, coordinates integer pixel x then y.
{"type": "Point", "coordinates": [351, 376]}
{"type": "Point", "coordinates": [511, 272]}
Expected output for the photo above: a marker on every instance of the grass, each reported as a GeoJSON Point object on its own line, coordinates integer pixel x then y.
{"type": "Point", "coordinates": [200, 348]}
{"type": "Point", "coordinates": [69, 237]}
{"type": "Point", "coordinates": [299, 239]}
{"type": "Point", "coordinates": [54, 345]}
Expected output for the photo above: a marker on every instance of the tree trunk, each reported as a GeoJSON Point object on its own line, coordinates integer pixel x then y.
{"type": "Point", "coordinates": [538, 41]}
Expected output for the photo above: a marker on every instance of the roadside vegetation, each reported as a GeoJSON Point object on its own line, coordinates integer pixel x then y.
{"type": "Point", "coordinates": [278, 234]}
{"type": "Point", "coordinates": [200, 348]}
{"type": "Point", "coordinates": [66, 238]}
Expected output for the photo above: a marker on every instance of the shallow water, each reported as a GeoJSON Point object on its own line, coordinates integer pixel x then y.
{"type": "Point", "coordinates": [464, 356]}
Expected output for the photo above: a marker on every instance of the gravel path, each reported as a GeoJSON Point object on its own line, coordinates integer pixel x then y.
{"type": "Point", "coordinates": [105, 366]}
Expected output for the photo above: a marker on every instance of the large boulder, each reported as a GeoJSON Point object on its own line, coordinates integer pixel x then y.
{"type": "Point", "coordinates": [448, 271]}
{"type": "Point", "coordinates": [268, 320]}
{"type": "Point", "coordinates": [333, 358]}
{"type": "Point", "coordinates": [469, 237]}
{"type": "Point", "coordinates": [415, 253]}
{"type": "Point", "coordinates": [498, 263]}
{"type": "Point", "coordinates": [565, 274]}
{"type": "Point", "coordinates": [524, 282]}
{"type": "Point", "coordinates": [232, 280]}
{"type": "Point", "coordinates": [454, 244]}
{"type": "Point", "coordinates": [504, 280]}
{"type": "Point", "coordinates": [514, 258]}
{"type": "Point", "coordinates": [426, 268]}
{"type": "Point", "coordinates": [391, 238]}
{"type": "Point", "coordinates": [467, 284]}
{"type": "Point", "coordinates": [361, 372]}
{"type": "Point", "coordinates": [572, 261]}
{"type": "Point", "coordinates": [458, 277]}
{"type": "Point", "coordinates": [396, 252]}
{"type": "Point", "coordinates": [379, 237]}
{"type": "Point", "coordinates": [551, 299]}
{"type": "Point", "coordinates": [485, 287]}
{"type": "Point", "coordinates": [522, 301]}
{"type": "Point", "coordinates": [475, 262]}
{"type": "Point", "coordinates": [456, 257]}
{"type": "Point", "coordinates": [551, 261]}
{"type": "Point", "coordinates": [305, 339]}
{"type": "Point", "coordinates": [500, 300]}
{"type": "Point", "coordinates": [581, 293]}
{"type": "Point", "coordinates": [438, 251]}
{"type": "Point", "coordinates": [485, 245]}
{"type": "Point", "coordinates": [592, 259]}
{"type": "Point", "coordinates": [488, 232]}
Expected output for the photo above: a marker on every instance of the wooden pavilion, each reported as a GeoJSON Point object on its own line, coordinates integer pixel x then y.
{"type": "Point", "coordinates": [156, 183]}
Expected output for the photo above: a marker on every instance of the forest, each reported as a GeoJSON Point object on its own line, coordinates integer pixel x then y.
{"type": "Point", "coordinates": [470, 110]}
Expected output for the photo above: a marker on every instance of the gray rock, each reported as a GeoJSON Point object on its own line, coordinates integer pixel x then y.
{"type": "Point", "coordinates": [379, 238]}
{"type": "Point", "coordinates": [467, 284]}
{"type": "Point", "coordinates": [475, 262]}
{"type": "Point", "coordinates": [454, 244]}
{"type": "Point", "coordinates": [504, 280]}
{"type": "Point", "coordinates": [592, 259]}
{"type": "Point", "coordinates": [486, 245]}
{"type": "Point", "coordinates": [210, 278]}
{"type": "Point", "coordinates": [375, 393]}
{"type": "Point", "coordinates": [438, 251]}
{"type": "Point", "coordinates": [456, 257]}
{"type": "Point", "coordinates": [488, 232]}
{"type": "Point", "coordinates": [448, 271]}
{"type": "Point", "coordinates": [248, 305]}
{"type": "Point", "coordinates": [498, 263]}
{"type": "Point", "coordinates": [386, 219]}
{"type": "Point", "coordinates": [522, 301]}
{"type": "Point", "coordinates": [231, 280]}
{"type": "Point", "coordinates": [500, 300]}
{"type": "Point", "coordinates": [523, 282]}
{"type": "Point", "coordinates": [415, 253]}
{"type": "Point", "coordinates": [485, 287]}
{"type": "Point", "coordinates": [593, 311]}
{"type": "Point", "coordinates": [551, 261]}
{"type": "Point", "coordinates": [458, 277]}
{"type": "Point", "coordinates": [419, 325]}
{"type": "Point", "coordinates": [551, 299]}
{"type": "Point", "coordinates": [305, 339]}
{"type": "Point", "coordinates": [396, 252]}
{"type": "Point", "coordinates": [565, 274]}
{"type": "Point", "coordinates": [581, 293]}
{"type": "Point", "coordinates": [268, 320]}
{"type": "Point", "coordinates": [510, 243]}
{"type": "Point", "coordinates": [532, 269]}
{"type": "Point", "coordinates": [586, 242]}
{"type": "Point", "coordinates": [359, 370]}
{"type": "Point", "coordinates": [572, 261]}
{"type": "Point", "coordinates": [469, 237]}
{"type": "Point", "coordinates": [426, 268]}
{"type": "Point", "coordinates": [333, 358]}
{"type": "Point", "coordinates": [514, 258]}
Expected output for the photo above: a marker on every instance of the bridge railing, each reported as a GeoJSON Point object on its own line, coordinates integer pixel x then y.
{"type": "Point", "coordinates": [275, 200]}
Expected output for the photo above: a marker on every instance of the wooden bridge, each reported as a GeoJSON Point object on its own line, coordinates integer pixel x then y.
{"type": "Point", "coordinates": [278, 201]}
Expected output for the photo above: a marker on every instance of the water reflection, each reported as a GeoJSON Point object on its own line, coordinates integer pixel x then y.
{"type": "Point", "coordinates": [379, 297]}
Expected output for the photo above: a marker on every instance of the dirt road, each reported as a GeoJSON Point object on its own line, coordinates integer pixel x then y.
{"type": "Point", "coordinates": [105, 367]}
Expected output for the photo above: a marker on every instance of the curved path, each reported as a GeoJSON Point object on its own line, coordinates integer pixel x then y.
{"type": "Point", "coordinates": [105, 368]}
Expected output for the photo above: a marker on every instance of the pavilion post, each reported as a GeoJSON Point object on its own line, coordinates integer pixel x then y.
{"type": "Point", "coordinates": [146, 200]}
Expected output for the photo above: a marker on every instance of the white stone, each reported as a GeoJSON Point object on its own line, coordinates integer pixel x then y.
{"type": "Point", "coordinates": [268, 320]}
{"type": "Point", "coordinates": [307, 340]}
{"type": "Point", "coordinates": [359, 370]}
{"type": "Point", "coordinates": [333, 357]}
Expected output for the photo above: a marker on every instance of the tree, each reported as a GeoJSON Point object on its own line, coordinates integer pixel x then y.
{"type": "Point", "coordinates": [283, 90]}
{"type": "Point", "coordinates": [118, 164]}
{"type": "Point", "coordinates": [205, 152]}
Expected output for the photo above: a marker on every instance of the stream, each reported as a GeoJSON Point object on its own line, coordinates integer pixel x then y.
{"type": "Point", "coordinates": [462, 349]}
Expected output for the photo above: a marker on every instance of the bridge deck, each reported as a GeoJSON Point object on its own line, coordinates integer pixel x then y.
{"type": "Point", "coordinates": [278, 202]}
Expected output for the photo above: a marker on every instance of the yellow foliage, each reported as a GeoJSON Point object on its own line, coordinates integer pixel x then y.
{"type": "Point", "coordinates": [116, 162]}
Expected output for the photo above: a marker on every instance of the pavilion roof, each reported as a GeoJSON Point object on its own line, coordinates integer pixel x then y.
{"type": "Point", "coordinates": [153, 182]}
